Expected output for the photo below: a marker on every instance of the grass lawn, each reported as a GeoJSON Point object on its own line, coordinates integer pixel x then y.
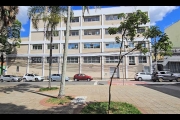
{"type": "Point", "coordinates": [115, 108]}
{"type": "Point", "coordinates": [60, 101]}
{"type": "Point", "coordinates": [47, 89]}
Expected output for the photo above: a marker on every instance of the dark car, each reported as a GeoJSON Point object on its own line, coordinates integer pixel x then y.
{"type": "Point", "coordinates": [165, 75]}
{"type": "Point", "coordinates": [78, 77]}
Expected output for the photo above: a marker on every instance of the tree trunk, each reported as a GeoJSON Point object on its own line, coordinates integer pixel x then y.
{"type": "Point", "coordinates": [2, 61]}
{"type": "Point", "coordinates": [50, 58]}
{"type": "Point", "coordinates": [62, 83]}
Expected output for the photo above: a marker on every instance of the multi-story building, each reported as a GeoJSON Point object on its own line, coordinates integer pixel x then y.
{"type": "Point", "coordinates": [91, 49]}
{"type": "Point", "coordinates": [172, 63]}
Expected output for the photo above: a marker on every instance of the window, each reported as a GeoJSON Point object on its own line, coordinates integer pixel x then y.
{"type": "Point", "coordinates": [106, 32]}
{"type": "Point", "coordinates": [71, 46]}
{"type": "Point", "coordinates": [91, 45]}
{"type": "Point", "coordinates": [142, 73]}
{"type": "Point", "coordinates": [72, 33]}
{"type": "Point", "coordinates": [54, 46]}
{"type": "Point", "coordinates": [131, 44]}
{"type": "Point", "coordinates": [37, 47]}
{"type": "Point", "coordinates": [142, 59]}
{"type": "Point", "coordinates": [112, 59]}
{"type": "Point", "coordinates": [55, 33]}
{"type": "Point", "coordinates": [75, 19]}
{"type": "Point", "coordinates": [113, 45]}
{"type": "Point", "coordinates": [131, 60]}
{"type": "Point", "coordinates": [143, 43]}
{"type": "Point", "coordinates": [36, 60]}
{"type": "Point", "coordinates": [141, 30]}
{"type": "Point", "coordinates": [92, 59]}
{"type": "Point", "coordinates": [91, 18]}
{"type": "Point", "coordinates": [92, 32]}
{"type": "Point", "coordinates": [72, 59]}
{"type": "Point", "coordinates": [54, 59]}
{"type": "Point", "coordinates": [112, 17]}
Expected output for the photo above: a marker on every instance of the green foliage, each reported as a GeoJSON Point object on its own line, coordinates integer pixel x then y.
{"type": "Point", "coordinates": [8, 16]}
{"type": "Point", "coordinates": [10, 37]}
{"type": "Point", "coordinates": [116, 108]}
{"type": "Point", "coordinates": [84, 8]}
{"type": "Point", "coordinates": [51, 15]}
{"type": "Point", "coordinates": [61, 101]}
{"type": "Point", "coordinates": [162, 44]}
{"type": "Point", "coordinates": [47, 89]}
{"type": "Point", "coordinates": [129, 27]}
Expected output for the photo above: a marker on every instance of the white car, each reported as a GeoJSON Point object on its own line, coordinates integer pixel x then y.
{"type": "Point", "coordinates": [10, 78]}
{"type": "Point", "coordinates": [32, 77]}
{"type": "Point", "coordinates": [57, 77]}
{"type": "Point", "coordinates": [143, 76]}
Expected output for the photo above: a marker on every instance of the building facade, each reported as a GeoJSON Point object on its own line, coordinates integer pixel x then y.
{"type": "Point", "coordinates": [172, 63]}
{"type": "Point", "coordinates": [91, 49]}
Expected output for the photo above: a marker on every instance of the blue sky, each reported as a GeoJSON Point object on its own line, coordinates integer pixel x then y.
{"type": "Point", "coordinates": [162, 16]}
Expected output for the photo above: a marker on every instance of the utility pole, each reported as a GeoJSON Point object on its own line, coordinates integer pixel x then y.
{"type": "Point", "coordinates": [62, 83]}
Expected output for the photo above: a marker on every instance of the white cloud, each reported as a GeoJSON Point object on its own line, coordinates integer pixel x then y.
{"type": "Point", "coordinates": [157, 13]}
{"type": "Point", "coordinates": [22, 29]}
{"type": "Point", "coordinates": [22, 15]}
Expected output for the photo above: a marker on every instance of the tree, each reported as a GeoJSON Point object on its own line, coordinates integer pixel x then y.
{"type": "Point", "coordinates": [51, 16]}
{"type": "Point", "coordinates": [7, 16]}
{"type": "Point", "coordinates": [9, 39]}
{"type": "Point", "coordinates": [128, 27]}
{"type": "Point", "coordinates": [67, 21]}
{"type": "Point", "coordinates": [62, 85]}
{"type": "Point", "coordinates": [161, 43]}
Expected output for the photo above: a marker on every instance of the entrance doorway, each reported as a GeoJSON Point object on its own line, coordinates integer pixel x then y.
{"type": "Point", "coordinates": [116, 74]}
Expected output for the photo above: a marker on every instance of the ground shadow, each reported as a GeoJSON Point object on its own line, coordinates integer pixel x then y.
{"type": "Point", "coordinates": [19, 88]}
{"type": "Point", "coordinates": [9, 108]}
{"type": "Point", "coordinates": [170, 89]}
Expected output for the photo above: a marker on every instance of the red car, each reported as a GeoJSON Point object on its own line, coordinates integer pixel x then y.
{"type": "Point", "coordinates": [78, 77]}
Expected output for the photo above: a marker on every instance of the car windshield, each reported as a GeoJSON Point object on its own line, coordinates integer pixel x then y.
{"type": "Point", "coordinates": [36, 75]}
{"type": "Point", "coordinates": [13, 76]}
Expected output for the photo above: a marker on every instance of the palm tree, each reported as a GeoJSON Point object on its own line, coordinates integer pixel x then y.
{"type": "Point", "coordinates": [84, 8]}
{"type": "Point", "coordinates": [9, 33]}
{"type": "Point", "coordinates": [61, 91]}
{"type": "Point", "coordinates": [69, 14]}
{"type": "Point", "coordinates": [51, 16]}
{"type": "Point", "coordinates": [7, 16]}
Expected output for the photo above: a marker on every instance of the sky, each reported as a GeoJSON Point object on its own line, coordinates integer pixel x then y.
{"type": "Point", "coordinates": [161, 16]}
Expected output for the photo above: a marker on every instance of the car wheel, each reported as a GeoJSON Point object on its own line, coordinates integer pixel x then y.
{"type": "Point", "coordinates": [140, 79]}
{"type": "Point", "coordinates": [75, 79]}
{"type": "Point", "coordinates": [2, 80]}
{"type": "Point", "coordinates": [12, 80]}
{"type": "Point", "coordinates": [160, 79]}
{"type": "Point", "coordinates": [170, 80]}
{"type": "Point", "coordinates": [88, 79]}
{"type": "Point", "coordinates": [24, 79]}
{"type": "Point", "coordinates": [36, 79]}
{"type": "Point", "coordinates": [178, 79]}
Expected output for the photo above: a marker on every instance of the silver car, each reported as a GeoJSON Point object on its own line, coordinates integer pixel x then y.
{"type": "Point", "coordinates": [57, 77]}
{"type": "Point", "coordinates": [10, 78]}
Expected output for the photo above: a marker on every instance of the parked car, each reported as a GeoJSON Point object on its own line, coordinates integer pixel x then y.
{"type": "Point", "coordinates": [165, 75]}
{"type": "Point", "coordinates": [142, 76]}
{"type": "Point", "coordinates": [78, 77]}
{"type": "Point", "coordinates": [57, 77]}
{"type": "Point", "coordinates": [10, 78]}
{"type": "Point", "coordinates": [32, 77]}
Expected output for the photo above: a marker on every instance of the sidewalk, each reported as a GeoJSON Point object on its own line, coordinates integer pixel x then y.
{"type": "Point", "coordinates": [25, 99]}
